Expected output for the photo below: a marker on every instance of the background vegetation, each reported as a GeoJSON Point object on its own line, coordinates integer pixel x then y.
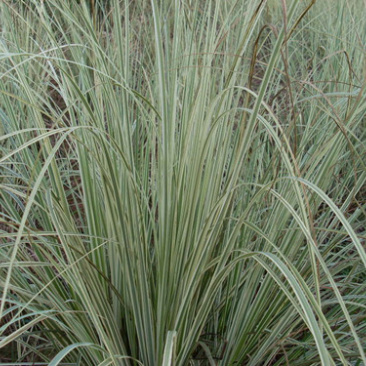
{"type": "Point", "coordinates": [182, 182]}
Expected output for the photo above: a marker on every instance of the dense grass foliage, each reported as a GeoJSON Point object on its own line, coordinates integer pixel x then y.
{"type": "Point", "coordinates": [183, 182]}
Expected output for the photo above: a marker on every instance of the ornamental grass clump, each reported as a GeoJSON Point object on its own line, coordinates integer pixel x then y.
{"type": "Point", "coordinates": [182, 182]}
